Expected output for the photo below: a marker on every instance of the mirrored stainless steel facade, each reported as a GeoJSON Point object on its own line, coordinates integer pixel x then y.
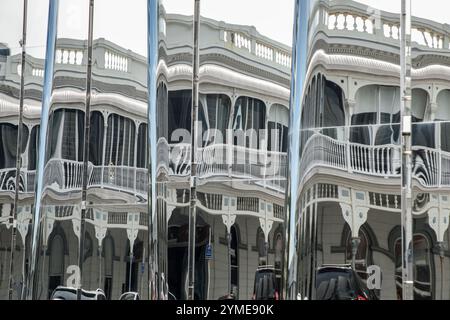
{"type": "Point", "coordinates": [369, 90]}
{"type": "Point", "coordinates": [104, 154]}
{"type": "Point", "coordinates": [331, 155]}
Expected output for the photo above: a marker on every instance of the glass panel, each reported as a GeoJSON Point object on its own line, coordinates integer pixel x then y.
{"type": "Point", "coordinates": [429, 170]}
{"type": "Point", "coordinates": [345, 173]}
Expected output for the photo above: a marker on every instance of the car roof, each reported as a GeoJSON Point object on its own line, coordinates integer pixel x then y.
{"type": "Point", "coordinates": [335, 266]}
{"type": "Point", "coordinates": [83, 290]}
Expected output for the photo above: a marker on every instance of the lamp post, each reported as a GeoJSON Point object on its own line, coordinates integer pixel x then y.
{"type": "Point", "coordinates": [406, 215]}
{"type": "Point", "coordinates": [194, 145]}
{"type": "Point", "coordinates": [87, 127]}
{"type": "Point", "coordinates": [13, 219]}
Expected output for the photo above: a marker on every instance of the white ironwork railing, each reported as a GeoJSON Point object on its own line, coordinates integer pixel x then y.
{"type": "Point", "coordinates": [431, 167]}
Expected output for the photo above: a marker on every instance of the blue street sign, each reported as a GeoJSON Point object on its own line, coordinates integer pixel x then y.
{"type": "Point", "coordinates": [208, 252]}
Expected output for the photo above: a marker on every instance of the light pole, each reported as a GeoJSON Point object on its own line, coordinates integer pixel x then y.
{"type": "Point", "coordinates": [87, 130]}
{"type": "Point", "coordinates": [406, 215]}
{"type": "Point", "coordinates": [194, 145]}
{"type": "Point", "coordinates": [13, 219]}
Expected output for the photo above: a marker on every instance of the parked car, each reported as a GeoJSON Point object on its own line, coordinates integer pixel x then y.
{"type": "Point", "coordinates": [129, 296]}
{"type": "Point", "coordinates": [267, 283]}
{"type": "Point", "coordinates": [69, 293]}
{"type": "Point", "coordinates": [341, 282]}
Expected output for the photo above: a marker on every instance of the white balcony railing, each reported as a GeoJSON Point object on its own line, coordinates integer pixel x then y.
{"type": "Point", "coordinates": [350, 16]}
{"type": "Point", "coordinates": [431, 167]}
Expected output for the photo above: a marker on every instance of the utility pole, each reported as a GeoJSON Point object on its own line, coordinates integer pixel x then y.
{"type": "Point", "coordinates": [406, 216]}
{"type": "Point", "coordinates": [194, 145]}
{"type": "Point", "coordinates": [87, 127]}
{"type": "Point", "coordinates": [13, 219]}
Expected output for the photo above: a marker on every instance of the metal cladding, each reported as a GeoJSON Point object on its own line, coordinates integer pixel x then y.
{"type": "Point", "coordinates": [180, 156]}
{"type": "Point", "coordinates": [370, 168]}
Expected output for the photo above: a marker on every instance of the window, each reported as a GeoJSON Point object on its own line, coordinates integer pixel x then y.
{"type": "Point", "coordinates": [141, 158]}
{"type": "Point", "coordinates": [120, 141]}
{"type": "Point", "coordinates": [278, 128]}
{"type": "Point", "coordinates": [423, 133]}
{"type": "Point", "coordinates": [376, 105]}
{"type": "Point", "coordinates": [422, 268]}
{"type": "Point", "coordinates": [96, 138]}
{"type": "Point", "coordinates": [33, 148]}
{"type": "Point", "coordinates": [443, 114]}
{"type": "Point", "coordinates": [216, 113]}
{"type": "Point", "coordinates": [8, 146]}
{"type": "Point", "coordinates": [249, 114]}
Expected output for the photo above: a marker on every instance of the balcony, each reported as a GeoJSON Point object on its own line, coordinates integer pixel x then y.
{"type": "Point", "coordinates": [431, 167]}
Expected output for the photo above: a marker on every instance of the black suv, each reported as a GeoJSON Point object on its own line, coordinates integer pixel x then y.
{"type": "Point", "coordinates": [267, 283]}
{"type": "Point", "coordinates": [341, 282]}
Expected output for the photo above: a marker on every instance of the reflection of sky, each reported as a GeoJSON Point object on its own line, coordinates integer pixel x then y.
{"type": "Point", "coordinates": [436, 10]}
{"type": "Point", "coordinates": [126, 24]}
{"type": "Point", "coordinates": [273, 19]}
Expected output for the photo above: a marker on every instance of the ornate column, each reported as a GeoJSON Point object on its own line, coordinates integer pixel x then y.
{"type": "Point", "coordinates": [229, 204]}
{"type": "Point", "coordinates": [354, 210]}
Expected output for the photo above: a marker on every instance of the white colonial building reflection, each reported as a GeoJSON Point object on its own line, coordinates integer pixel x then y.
{"type": "Point", "coordinates": [349, 200]}
{"type": "Point", "coordinates": [244, 85]}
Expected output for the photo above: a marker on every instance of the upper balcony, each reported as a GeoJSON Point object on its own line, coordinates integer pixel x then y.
{"type": "Point", "coordinates": [431, 166]}
{"type": "Point", "coordinates": [359, 26]}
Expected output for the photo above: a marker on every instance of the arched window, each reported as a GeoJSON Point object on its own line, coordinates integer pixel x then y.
{"type": "Point", "coordinates": [56, 264]}
{"type": "Point", "coordinates": [278, 243]}
{"type": "Point", "coordinates": [422, 267]}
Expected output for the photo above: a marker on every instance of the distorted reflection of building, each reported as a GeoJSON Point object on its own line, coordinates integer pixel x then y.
{"type": "Point", "coordinates": [245, 81]}
{"type": "Point", "coordinates": [349, 196]}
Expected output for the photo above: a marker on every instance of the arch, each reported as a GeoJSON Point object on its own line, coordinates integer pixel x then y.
{"type": "Point", "coordinates": [278, 245]}
{"type": "Point", "coordinates": [424, 273]}
{"type": "Point", "coordinates": [56, 262]}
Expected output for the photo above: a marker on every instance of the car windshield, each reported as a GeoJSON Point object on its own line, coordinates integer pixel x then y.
{"type": "Point", "coordinates": [335, 284]}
